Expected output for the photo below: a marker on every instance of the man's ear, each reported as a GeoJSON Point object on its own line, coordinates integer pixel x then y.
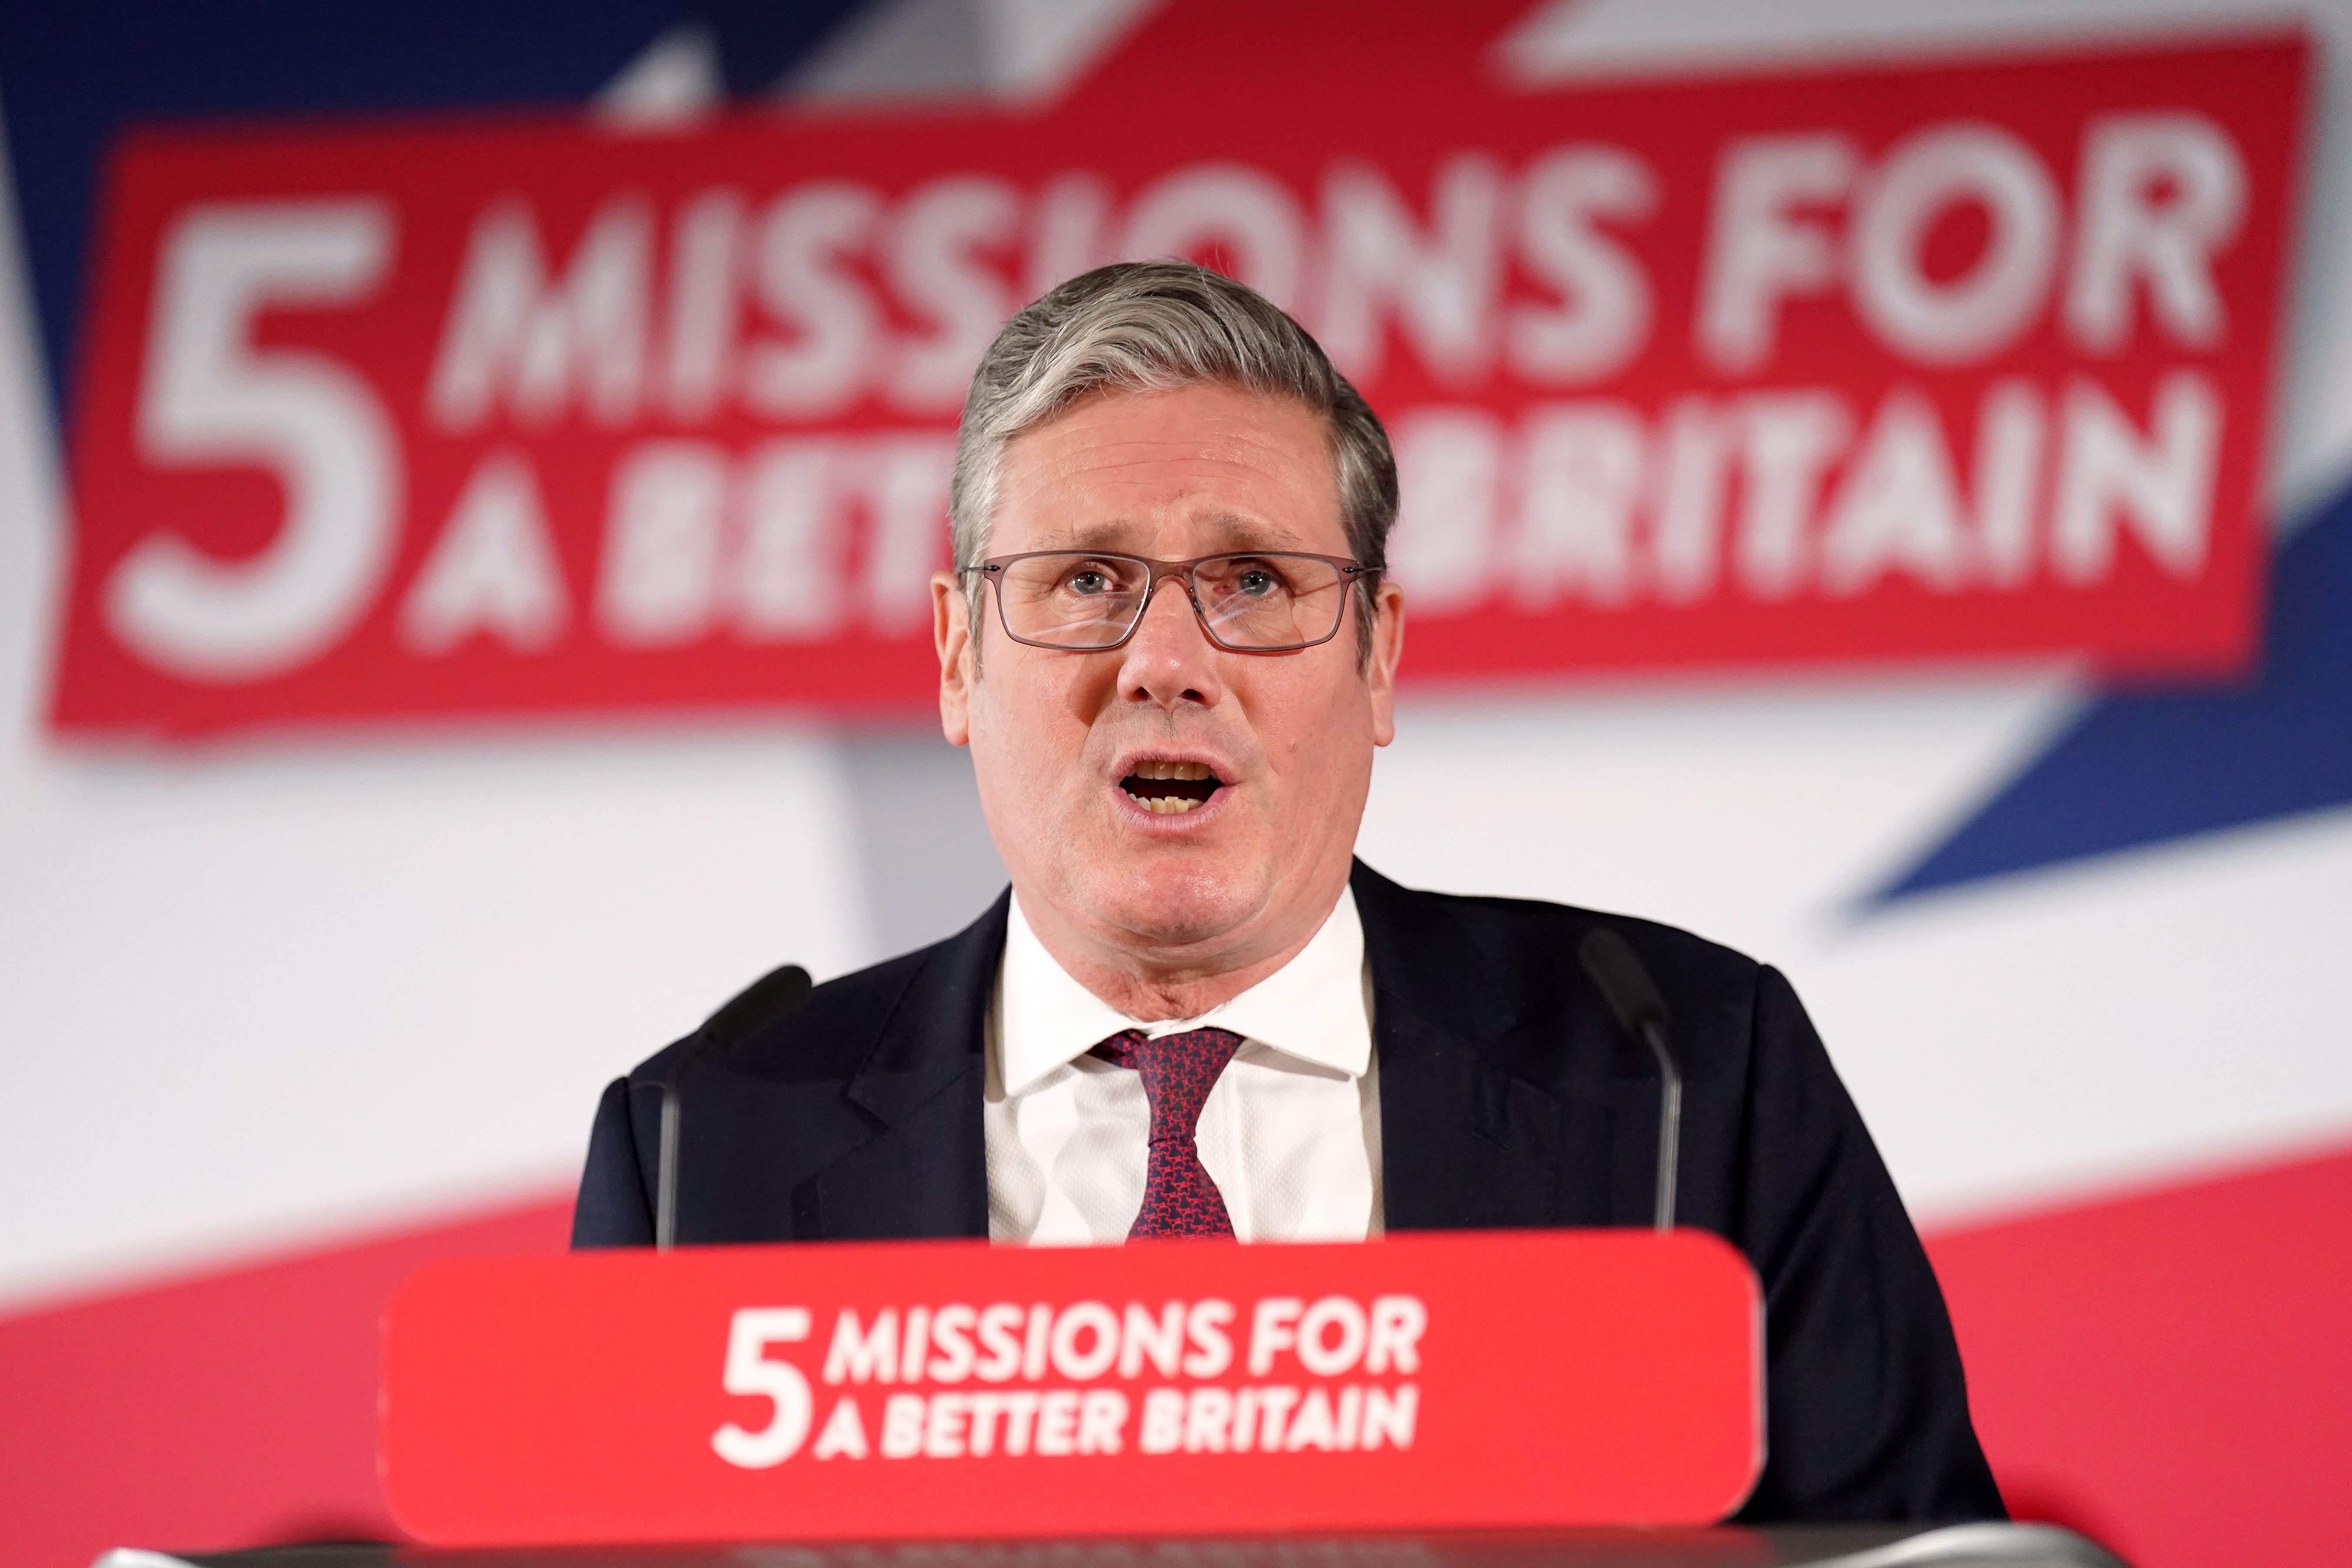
{"type": "Point", "coordinates": [952, 635]}
{"type": "Point", "coordinates": [1380, 667]}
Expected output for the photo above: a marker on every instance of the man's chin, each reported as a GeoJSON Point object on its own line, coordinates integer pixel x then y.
{"type": "Point", "coordinates": [1177, 901]}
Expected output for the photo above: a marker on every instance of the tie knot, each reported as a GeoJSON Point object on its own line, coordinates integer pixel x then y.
{"type": "Point", "coordinates": [1178, 1072]}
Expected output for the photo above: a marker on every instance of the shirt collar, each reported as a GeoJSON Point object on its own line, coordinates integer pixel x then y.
{"type": "Point", "coordinates": [1312, 1008]}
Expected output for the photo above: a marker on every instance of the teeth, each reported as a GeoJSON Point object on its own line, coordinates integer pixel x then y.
{"type": "Point", "coordinates": [1161, 768]}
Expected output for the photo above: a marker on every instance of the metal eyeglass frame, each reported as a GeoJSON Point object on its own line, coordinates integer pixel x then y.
{"type": "Point", "coordinates": [1349, 571]}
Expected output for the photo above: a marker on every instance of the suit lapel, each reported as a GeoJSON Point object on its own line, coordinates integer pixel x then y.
{"type": "Point", "coordinates": [923, 1171]}
{"type": "Point", "coordinates": [1471, 1134]}
{"type": "Point", "coordinates": [1466, 1143]}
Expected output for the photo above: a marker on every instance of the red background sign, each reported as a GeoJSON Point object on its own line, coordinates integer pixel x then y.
{"type": "Point", "coordinates": [1591, 1377]}
{"type": "Point", "coordinates": [523, 415]}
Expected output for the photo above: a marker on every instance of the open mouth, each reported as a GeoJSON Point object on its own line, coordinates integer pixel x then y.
{"type": "Point", "coordinates": [1172, 788]}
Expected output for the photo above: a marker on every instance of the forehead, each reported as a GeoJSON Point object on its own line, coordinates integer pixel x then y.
{"type": "Point", "coordinates": [1174, 473]}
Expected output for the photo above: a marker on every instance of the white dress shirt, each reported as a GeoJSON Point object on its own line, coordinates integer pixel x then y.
{"type": "Point", "coordinates": [1291, 1133]}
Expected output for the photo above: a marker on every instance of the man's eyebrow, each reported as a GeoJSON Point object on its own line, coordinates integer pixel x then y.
{"type": "Point", "coordinates": [1238, 532]}
{"type": "Point", "coordinates": [1116, 536]}
{"type": "Point", "coordinates": [1232, 531]}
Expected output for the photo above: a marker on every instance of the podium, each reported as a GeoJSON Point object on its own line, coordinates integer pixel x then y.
{"type": "Point", "coordinates": [1822, 1546]}
{"type": "Point", "coordinates": [1555, 1399]}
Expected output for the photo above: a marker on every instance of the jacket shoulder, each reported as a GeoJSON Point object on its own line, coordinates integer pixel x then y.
{"type": "Point", "coordinates": [1537, 924]}
{"type": "Point", "coordinates": [1527, 947]}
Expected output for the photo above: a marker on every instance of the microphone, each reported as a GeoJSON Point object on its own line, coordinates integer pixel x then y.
{"type": "Point", "coordinates": [1641, 1012]}
{"type": "Point", "coordinates": [771, 996]}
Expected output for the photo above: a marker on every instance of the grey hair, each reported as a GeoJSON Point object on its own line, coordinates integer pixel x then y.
{"type": "Point", "coordinates": [1156, 326]}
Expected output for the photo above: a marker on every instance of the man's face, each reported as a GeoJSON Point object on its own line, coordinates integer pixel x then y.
{"type": "Point", "coordinates": [1061, 740]}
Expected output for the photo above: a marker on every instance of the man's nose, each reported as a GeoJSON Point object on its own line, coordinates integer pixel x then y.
{"type": "Point", "coordinates": [1170, 660]}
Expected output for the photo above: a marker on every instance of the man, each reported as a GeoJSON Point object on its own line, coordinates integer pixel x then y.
{"type": "Point", "coordinates": [1170, 647]}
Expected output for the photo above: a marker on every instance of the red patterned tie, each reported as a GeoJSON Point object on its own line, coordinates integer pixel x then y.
{"type": "Point", "coordinates": [1178, 1071]}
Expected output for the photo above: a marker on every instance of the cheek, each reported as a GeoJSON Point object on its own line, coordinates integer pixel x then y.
{"type": "Point", "coordinates": [1317, 731]}
{"type": "Point", "coordinates": [996, 720]}
{"type": "Point", "coordinates": [1035, 721]}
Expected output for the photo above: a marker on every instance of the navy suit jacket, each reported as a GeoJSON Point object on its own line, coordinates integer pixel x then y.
{"type": "Point", "coordinates": [1509, 1098]}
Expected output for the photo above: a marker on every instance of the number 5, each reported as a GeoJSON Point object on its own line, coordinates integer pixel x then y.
{"type": "Point", "coordinates": [748, 1371]}
{"type": "Point", "coordinates": [212, 398]}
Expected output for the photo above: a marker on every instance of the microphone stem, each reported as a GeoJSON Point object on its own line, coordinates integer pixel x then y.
{"type": "Point", "coordinates": [665, 1171]}
{"type": "Point", "coordinates": [1670, 1123]}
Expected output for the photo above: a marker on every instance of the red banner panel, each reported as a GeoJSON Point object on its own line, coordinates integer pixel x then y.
{"type": "Point", "coordinates": [952, 1389]}
{"type": "Point", "coordinates": [1898, 361]}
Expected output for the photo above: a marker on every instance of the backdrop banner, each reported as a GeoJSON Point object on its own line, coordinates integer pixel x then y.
{"type": "Point", "coordinates": [1912, 361]}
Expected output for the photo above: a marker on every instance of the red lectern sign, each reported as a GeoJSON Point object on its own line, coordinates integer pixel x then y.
{"type": "Point", "coordinates": [936, 1389]}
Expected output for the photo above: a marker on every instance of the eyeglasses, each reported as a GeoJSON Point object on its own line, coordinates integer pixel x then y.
{"type": "Point", "coordinates": [1084, 601]}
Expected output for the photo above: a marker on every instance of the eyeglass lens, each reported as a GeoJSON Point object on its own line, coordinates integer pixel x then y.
{"type": "Point", "coordinates": [1084, 601]}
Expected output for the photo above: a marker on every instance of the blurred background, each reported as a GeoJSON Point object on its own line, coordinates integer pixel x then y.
{"type": "Point", "coordinates": [1878, 493]}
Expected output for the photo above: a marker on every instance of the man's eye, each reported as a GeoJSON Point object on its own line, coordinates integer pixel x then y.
{"type": "Point", "coordinates": [1256, 582]}
{"type": "Point", "coordinates": [1089, 582]}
